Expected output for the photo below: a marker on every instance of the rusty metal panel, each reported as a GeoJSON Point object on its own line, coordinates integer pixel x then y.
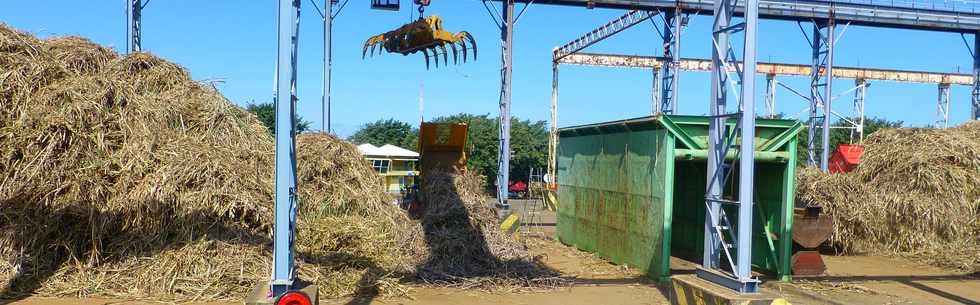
{"type": "Point", "coordinates": [611, 195]}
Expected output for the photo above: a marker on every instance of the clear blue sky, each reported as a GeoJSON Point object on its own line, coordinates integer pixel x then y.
{"type": "Point", "coordinates": [235, 41]}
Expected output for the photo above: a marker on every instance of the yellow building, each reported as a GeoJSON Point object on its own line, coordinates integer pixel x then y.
{"type": "Point", "coordinates": [397, 166]}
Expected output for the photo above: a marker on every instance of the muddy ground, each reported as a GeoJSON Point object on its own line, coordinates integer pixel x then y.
{"type": "Point", "coordinates": [850, 280]}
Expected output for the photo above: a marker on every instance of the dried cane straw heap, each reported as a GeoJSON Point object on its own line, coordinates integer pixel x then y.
{"type": "Point", "coordinates": [916, 193]}
{"type": "Point", "coordinates": [120, 176]}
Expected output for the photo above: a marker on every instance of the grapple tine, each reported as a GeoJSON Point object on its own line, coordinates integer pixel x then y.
{"type": "Point", "coordinates": [426, 53]}
{"type": "Point", "coordinates": [435, 54]}
{"type": "Point", "coordinates": [445, 54]}
{"type": "Point", "coordinates": [462, 44]}
{"type": "Point", "coordinates": [472, 42]}
{"type": "Point", "coordinates": [452, 46]}
{"type": "Point", "coordinates": [368, 44]}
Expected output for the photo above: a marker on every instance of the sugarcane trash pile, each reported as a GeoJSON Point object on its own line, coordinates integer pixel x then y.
{"type": "Point", "coordinates": [121, 176]}
{"type": "Point", "coordinates": [916, 193]}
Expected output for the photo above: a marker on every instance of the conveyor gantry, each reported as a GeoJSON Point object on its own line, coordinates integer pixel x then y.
{"type": "Point", "coordinates": [946, 16]}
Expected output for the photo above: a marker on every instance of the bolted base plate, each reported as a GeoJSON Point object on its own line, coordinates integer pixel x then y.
{"type": "Point", "coordinates": [689, 289]}
{"type": "Point", "coordinates": [260, 293]}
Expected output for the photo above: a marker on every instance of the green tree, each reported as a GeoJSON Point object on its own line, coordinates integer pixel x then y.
{"type": "Point", "coordinates": [266, 112]}
{"type": "Point", "coordinates": [388, 131]}
{"type": "Point", "coordinates": [843, 135]}
{"type": "Point", "coordinates": [529, 145]}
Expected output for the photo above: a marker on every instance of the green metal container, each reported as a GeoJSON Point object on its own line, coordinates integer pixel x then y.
{"type": "Point", "coordinates": [632, 191]}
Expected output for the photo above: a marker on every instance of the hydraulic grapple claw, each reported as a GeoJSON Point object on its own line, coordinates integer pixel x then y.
{"type": "Point", "coordinates": [423, 35]}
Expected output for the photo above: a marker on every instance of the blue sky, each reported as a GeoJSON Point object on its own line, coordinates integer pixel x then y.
{"type": "Point", "coordinates": [235, 41]}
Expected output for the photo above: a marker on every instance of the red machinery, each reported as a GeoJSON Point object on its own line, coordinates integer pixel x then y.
{"type": "Point", "coordinates": [845, 158]}
{"type": "Point", "coordinates": [518, 187]}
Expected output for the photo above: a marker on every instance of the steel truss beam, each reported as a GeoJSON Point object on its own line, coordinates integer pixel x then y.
{"type": "Point", "coordinates": [718, 237]}
{"type": "Point", "coordinates": [283, 271]}
{"type": "Point", "coordinates": [779, 69]}
{"type": "Point", "coordinates": [607, 30]}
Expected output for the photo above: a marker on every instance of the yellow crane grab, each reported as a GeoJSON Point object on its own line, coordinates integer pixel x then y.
{"type": "Point", "coordinates": [424, 35]}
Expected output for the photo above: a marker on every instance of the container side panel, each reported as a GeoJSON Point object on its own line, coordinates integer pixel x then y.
{"type": "Point", "coordinates": [611, 236]}
{"type": "Point", "coordinates": [575, 155]}
{"type": "Point", "coordinates": [617, 209]}
{"type": "Point", "coordinates": [646, 199]}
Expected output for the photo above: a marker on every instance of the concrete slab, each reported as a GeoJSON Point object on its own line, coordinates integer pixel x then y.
{"type": "Point", "coordinates": [688, 289]}
{"type": "Point", "coordinates": [260, 294]}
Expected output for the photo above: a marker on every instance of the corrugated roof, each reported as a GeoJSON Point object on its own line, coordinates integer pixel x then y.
{"type": "Point", "coordinates": [395, 151]}
{"type": "Point", "coordinates": [386, 150]}
{"type": "Point", "coordinates": [368, 149]}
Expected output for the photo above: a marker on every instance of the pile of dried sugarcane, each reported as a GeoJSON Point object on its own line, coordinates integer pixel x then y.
{"type": "Point", "coordinates": [916, 193]}
{"type": "Point", "coordinates": [121, 176]}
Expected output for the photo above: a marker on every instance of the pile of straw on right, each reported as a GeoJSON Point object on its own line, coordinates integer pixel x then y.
{"type": "Point", "coordinates": [916, 193]}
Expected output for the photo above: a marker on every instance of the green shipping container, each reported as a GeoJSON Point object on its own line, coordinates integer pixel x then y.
{"type": "Point", "coordinates": [632, 191]}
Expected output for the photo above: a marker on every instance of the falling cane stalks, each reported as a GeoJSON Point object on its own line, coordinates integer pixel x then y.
{"type": "Point", "coordinates": [916, 193]}
{"type": "Point", "coordinates": [120, 176]}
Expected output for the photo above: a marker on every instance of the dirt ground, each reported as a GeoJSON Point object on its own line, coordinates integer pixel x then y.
{"type": "Point", "coordinates": [850, 280]}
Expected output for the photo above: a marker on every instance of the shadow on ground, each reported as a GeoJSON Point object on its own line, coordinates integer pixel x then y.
{"type": "Point", "coordinates": [459, 252]}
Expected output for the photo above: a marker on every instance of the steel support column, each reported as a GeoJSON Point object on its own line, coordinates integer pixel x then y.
{"type": "Point", "coordinates": [134, 15]}
{"type": "Point", "coordinates": [718, 236]}
{"type": "Point", "coordinates": [655, 92]}
{"type": "Point", "coordinates": [671, 67]}
{"type": "Point", "coordinates": [553, 134]}
{"type": "Point", "coordinates": [503, 160]}
{"type": "Point", "coordinates": [821, 77]}
{"type": "Point", "coordinates": [716, 134]}
{"type": "Point", "coordinates": [975, 96]}
{"type": "Point", "coordinates": [857, 110]}
{"type": "Point", "coordinates": [746, 179]}
{"type": "Point", "coordinates": [283, 271]}
{"type": "Point", "coordinates": [942, 109]}
{"type": "Point", "coordinates": [771, 96]}
{"type": "Point", "coordinates": [327, 63]}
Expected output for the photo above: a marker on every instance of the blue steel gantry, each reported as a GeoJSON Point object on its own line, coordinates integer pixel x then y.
{"type": "Point", "coordinates": [946, 16]}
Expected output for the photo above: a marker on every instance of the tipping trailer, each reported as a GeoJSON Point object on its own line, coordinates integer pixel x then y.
{"type": "Point", "coordinates": [442, 148]}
